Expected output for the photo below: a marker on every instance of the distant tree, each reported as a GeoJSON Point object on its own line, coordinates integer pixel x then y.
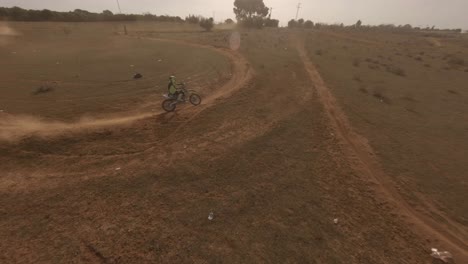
{"type": "Point", "coordinates": [250, 13]}
{"type": "Point", "coordinates": [17, 13]}
{"type": "Point", "coordinates": [207, 23]}
{"type": "Point", "coordinates": [46, 15]}
{"type": "Point", "coordinates": [292, 23]}
{"type": "Point", "coordinates": [408, 26]}
{"type": "Point", "coordinates": [300, 22]}
{"type": "Point", "coordinates": [192, 19]}
{"type": "Point", "coordinates": [107, 13]}
{"type": "Point", "coordinates": [229, 21]}
{"type": "Point", "coordinates": [433, 27]}
{"type": "Point", "coordinates": [309, 24]}
{"type": "Point", "coordinates": [358, 23]}
{"type": "Point", "coordinates": [458, 30]}
{"type": "Point", "coordinates": [271, 23]}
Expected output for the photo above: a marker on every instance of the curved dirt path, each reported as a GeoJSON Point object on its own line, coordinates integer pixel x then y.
{"type": "Point", "coordinates": [15, 127]}
{"type": "Point", "coordinates": [358, 148]}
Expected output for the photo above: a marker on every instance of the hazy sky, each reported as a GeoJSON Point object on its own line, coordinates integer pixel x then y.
{"type": "Point", "coordinates": [442, 13]}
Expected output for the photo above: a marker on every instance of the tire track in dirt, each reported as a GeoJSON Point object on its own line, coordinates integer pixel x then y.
{"type": "Point", "coordinates": [358, 148]}
{"type": "Point", "coordinates": [15, 127]}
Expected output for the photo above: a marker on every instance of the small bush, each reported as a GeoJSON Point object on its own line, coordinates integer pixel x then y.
{"type": "Point", "coordinates": [456, 61]}
{"type": "Point", "coordinates": [396, 70]}
{"type": "Point", "coordinates": [319, 52]}
{"type": "Point", "coordinates": [381, 97]}
{"type": "Point", "coordinates": [356, 62]}
{"type": "Point", "coordinates": [43, 89]}
{"type": "Point", "coordinates": [207, 24]}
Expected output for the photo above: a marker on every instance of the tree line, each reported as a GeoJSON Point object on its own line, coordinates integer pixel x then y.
{"type": "Point", "coordinates": [78, 15]}
{"type": "Point", "coordinates": [300, 23]}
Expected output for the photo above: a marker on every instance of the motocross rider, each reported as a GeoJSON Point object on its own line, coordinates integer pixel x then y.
{"type": "Point", "coordinates": [172, 88]}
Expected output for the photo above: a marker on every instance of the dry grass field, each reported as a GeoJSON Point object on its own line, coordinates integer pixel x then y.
{"type": "Point", "coordinates": [309, 147]}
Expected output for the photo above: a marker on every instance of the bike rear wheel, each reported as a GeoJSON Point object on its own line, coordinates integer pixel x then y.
{"type": "Point", "coordinates": [195, 99]}
{"type": "Point", "coordinates": [169, 105]}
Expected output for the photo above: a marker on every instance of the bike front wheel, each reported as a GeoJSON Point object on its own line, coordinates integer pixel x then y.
{"type": "Point", "coordinates": [195, 99]}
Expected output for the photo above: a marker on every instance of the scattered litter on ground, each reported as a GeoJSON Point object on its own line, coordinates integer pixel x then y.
{"type": "Point", "coordinates": [117, 169]}
{"type": "Point", "coordinates": [160, 60]}
{"type": "Point", "coordinates": [137, 76]}
{"type": "Point", "coordinates": [211, 216]}
{"type": "Point", "coordinates": [335, 221]}
{"type": "Point", "coordinates": [445, 256]}
{"type": "Point", "coordinates": [132, 65]}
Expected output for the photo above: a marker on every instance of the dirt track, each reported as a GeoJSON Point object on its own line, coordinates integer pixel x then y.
{"type": "Point", "coordinates": [366, 162]}
{"type": "Point", "coordinates": [17, 127]}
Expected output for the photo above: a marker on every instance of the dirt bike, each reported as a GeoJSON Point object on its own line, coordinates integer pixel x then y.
{"type": "Point", "coordinates": [171, 102]}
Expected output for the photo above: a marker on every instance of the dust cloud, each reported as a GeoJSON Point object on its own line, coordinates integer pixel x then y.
{"type": "Point", "coordinates": [6, 34]}
{"type": "Point", "coordinates": [13, 128]}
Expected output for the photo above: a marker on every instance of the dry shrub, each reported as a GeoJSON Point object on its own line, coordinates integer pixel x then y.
{"type": "Point", "coordinates": [396, 70]}
{"type": "Point", "coordinates": [319, 52]}
{"type": "Point", "coordinates": [43, 89]}
{"type": "Point", "coordinates": [357, 78]}
{"type": "Point", "coordinates": [379, 95]}
{"type": "Point", "coordinates": [356, 62]}
{"type": "Point", "coordinates": [456, 61]}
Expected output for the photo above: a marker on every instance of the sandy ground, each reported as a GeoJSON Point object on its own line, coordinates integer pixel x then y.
{"type": "Point", "coordinates": [271, 155]}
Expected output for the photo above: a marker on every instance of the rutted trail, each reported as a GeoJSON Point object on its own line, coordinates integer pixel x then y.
{"type": "Point", "coordinates": [15, 127]}
{"type": "Point", "coordinates": [357, 147]}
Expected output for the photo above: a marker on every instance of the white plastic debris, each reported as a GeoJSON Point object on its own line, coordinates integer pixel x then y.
{"type": "Point", "coordinates": [117, 169]}
{"type": "Point", "coordinates": [445, 256]}
{"type": "Point", "coordinates": [132, 65]}
{"type": "Point", "coordinates": [335, 221]}
{"type": "Point", "coordinates": [211, 216]}
{"type": "Point", "coordinates": [160, 60]}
